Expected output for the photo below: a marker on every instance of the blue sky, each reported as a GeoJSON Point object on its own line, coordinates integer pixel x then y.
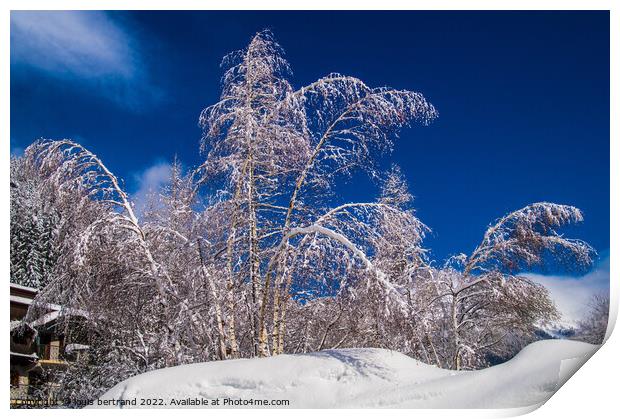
{"type": "Point", "coordinates": [523, 98]}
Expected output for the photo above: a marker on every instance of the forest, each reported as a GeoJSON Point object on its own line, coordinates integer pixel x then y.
{"type": "Point", "coordinates": [253, 253]}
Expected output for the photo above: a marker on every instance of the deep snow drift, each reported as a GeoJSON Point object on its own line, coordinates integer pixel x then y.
{"type": "Point", "coordinates": [365, 378]}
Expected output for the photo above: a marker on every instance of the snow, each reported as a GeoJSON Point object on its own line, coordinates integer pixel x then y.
{"type": "Point", "coordinates": [53, 315]}
{"type": "Point", "coordinates": [381, 276]}
{"type": "Point", "coordinates": [573, 294]}
{"type": "Point", "coordinates": [72, 347]}
{"type": "Point", "coordinates": [30, 356]}
{"type": "Point", "coordinates": [365, 378]}
{"type": "Point", "coordinates": [15, 324]}
{"type": "Point", "coordinates": [21, 300]}
{"type": "Point", "coordinates": [24, 288]}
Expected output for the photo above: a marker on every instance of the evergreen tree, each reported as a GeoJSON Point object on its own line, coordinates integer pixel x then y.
{"type": "Point", "coordinates": [34, 230]}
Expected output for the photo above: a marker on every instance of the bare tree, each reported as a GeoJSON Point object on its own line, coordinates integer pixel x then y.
{"type": "Point", "coordinates": [488, 303]}
{"type": "Point", "coordinates": [594, 327]}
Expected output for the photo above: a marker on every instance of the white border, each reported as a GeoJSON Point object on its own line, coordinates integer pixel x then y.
{"type": "Point", "coordinates": [593, 393]}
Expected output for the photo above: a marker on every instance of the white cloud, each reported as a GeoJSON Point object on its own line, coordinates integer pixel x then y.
{"type": "Point", "coordinates": [150, 181]}
{"type": "Point", "coordinates": [82, 46]}
{"type": "Point", "coordinates": [572, 294]}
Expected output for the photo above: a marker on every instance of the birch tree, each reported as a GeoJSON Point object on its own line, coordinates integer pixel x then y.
{"type": "Point", "coordinates": [263, 136]}
{"type": "Point", "coordinates": [488, 302]}
{"type": "Point", "coordinates": [255, 141]}
{"type": "Point", "coordinates": [69, 167]}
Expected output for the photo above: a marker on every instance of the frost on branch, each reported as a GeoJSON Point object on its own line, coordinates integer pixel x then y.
{"type": "Point", "coordinates": [523, 237]}
{"type": "Point", "coordinates": [275, 151]}
{"type": "Point", "coordinates": [349, 121]}
{"type": "Point", "coordinates": [72, 167]}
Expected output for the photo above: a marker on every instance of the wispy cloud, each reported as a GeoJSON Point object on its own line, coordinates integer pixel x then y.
{"type": "Point", "coordinates": [572, 294]}
{"type": "Point", "coordinates": [87, 47]}
{"type": "Point", "coordinates": [150, 181]}
{"type": "Point", "coordinates": [17, 151]}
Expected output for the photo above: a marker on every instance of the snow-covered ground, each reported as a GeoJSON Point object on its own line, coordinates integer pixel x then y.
{"type": "Point", "coordinates": [362, 378]}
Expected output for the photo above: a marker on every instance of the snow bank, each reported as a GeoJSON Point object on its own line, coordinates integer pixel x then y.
{"type": "Point", "coordinates": [360, 378]}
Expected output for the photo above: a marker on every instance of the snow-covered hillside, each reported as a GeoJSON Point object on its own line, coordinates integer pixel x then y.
{"type": "Point", "coordinates": [362, 378]}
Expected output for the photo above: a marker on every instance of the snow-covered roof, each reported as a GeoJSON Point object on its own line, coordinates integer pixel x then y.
{"type": "Point", "coordinates": [17, 323]}
{"type": "Point", "coordinates": [53, 315]}
{"type": "Point", "coordinates": [45, 319]}
{"type": "Point", "coordinates": [21, 300]}
{"type": "Point", "coordinates": [71, 347]}
{"type": "Point", "coordinates": [24, 288]}
{"type": "Point", "coordinates": [49, 306]}
{"type": "Point", "coordinates": [56, 310]}
{"type": "Point", "coordinates": [28, 301]}
{"type": "Point", "coordinates": [30, 356]}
